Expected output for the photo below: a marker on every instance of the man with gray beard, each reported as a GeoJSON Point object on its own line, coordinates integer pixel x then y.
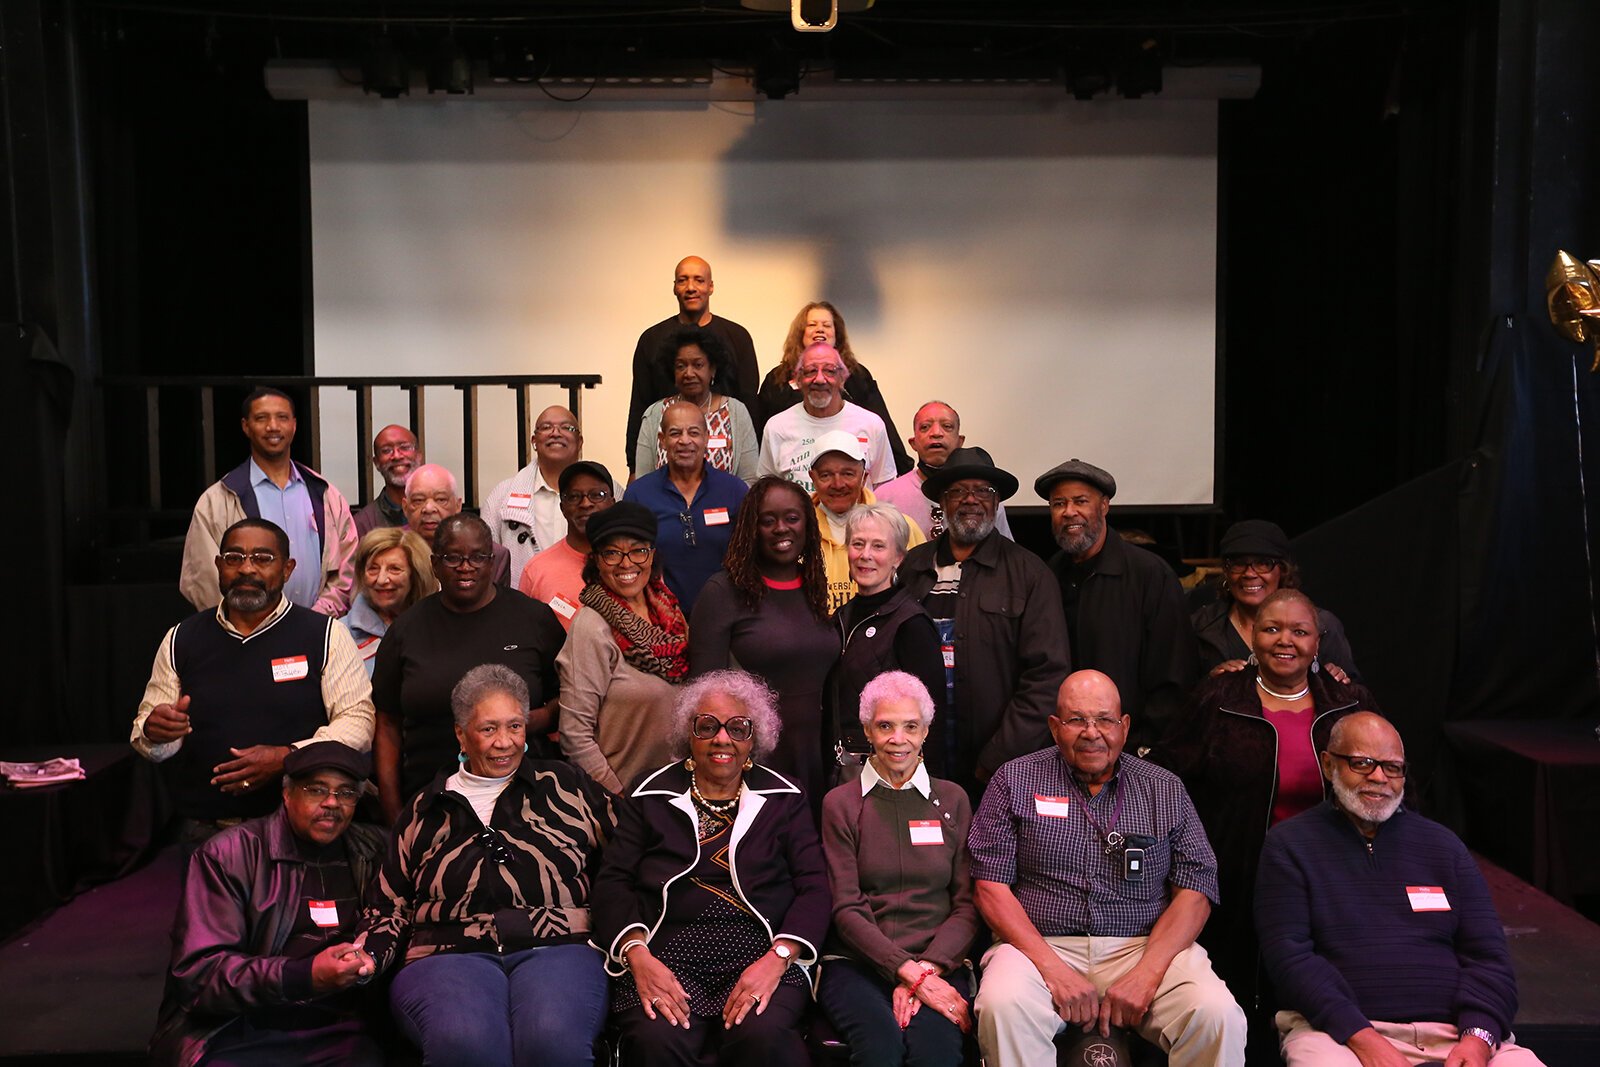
{"type": "Point", "coordinates": [1376, 925]}
{"type": "Point", "coordinates": [236, 688]}
{"type": "Point", "coordinates": [1124, 608]}
{"type": "Point", "coordinates": [1003, 635]}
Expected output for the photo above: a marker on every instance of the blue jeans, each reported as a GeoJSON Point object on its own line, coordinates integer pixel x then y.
{"type": "Point", "coordinates": [539, 1006]}
{"type": "Point", "coordinates": [859, 1003]}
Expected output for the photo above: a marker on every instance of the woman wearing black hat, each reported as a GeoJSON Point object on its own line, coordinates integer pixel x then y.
{"type": "Point", "coordinates": [625, 655]}
{"type": "Point", "coordinates": [1255, 564]}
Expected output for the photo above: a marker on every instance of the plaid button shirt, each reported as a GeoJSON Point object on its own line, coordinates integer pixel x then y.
{"type": "Point", "coordinates": [1056, 863]}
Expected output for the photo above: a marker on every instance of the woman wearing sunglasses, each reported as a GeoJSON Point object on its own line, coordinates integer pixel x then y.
{"type": "Point", "coordinates": [625, 655]}
{"type": "Point", "coordinates": [712, 897]}
{"type": "Point", "coordinates": [483, 902]}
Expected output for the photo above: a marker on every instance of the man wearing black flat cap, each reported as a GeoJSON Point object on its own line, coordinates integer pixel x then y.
{"type": "Point", "coordinates": [263, 965]}
{"type": "Point", "coordinates": [1124, 608]}
{"type": "Point", "coordinates": [1000, 624]}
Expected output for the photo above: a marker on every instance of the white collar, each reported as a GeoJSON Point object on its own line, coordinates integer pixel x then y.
{"type": "Point", "coordinates": [919, 779]}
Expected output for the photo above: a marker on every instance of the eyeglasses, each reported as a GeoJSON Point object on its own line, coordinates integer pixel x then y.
{"type": "Point", "coordinates": [455, 560]}
{"type": "Point", "coordinates": [613, 556]}
{"type": "Point", "coordinates": [261, 558]}
{"type": "Point", "coordinates": [1105, 723]}
{"type": "Point", "coordinates": [740, 727]}
{"type": "Point", "coordinates": [688, 528]}
{"type": "Point", "coordinates": [983, 494]}
{"type": "Point", "coordinates": [552, 427]}
{"type": "Point", "coordinates": [593, 496]}
{"type": "Point", "coordinates": [404, 448]}
{"type": "Point", "coordinates": [494, 845]}
{"type": "Point", "coordinates": [1259, 564]}
{"type": "Point", "coordinates": [1365, 765]}
{"type": "Point", "coordinates": [808, 374]}
{"type": "Point", "coordinates": [316, 791]}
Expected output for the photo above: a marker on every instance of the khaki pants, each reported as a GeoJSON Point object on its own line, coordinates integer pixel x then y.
{"type": "Point", "coordinates": [1193, 1018]}
{"type": "Point", "coordinates": [1419, 1043]}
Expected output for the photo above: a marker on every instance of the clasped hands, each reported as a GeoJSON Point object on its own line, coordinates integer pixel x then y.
{"type": "Point", "coordinates": [920, 983]}
{"type": "Point", "coordinates": [662, 995]}
{"type": "Point", "coordinates": [1124, 1003]}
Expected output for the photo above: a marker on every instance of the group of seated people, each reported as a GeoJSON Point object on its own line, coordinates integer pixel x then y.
{"type": "Point", "coordinates": [792, 728]}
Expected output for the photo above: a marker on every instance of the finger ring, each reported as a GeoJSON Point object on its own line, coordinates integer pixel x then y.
{"type": "Point", "coordinates": [247, 783]}
{"type": "Point", "coordinates": [653, 1001]}
{"type": "Point", "coordinates": [756, 997]}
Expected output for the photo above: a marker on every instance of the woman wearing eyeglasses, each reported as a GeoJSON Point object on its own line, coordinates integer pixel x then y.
{"type": "Point", "coordinates": [625, 655]}
{"type": "Point", "coordinates": [1246, 748]}
{"type": "Point", "coordinates": [483, 901]}
{"type": "Point", "coordinates": [767, 612]}
{"type": "Point", "coordinates": [712, 897]}
{"type": "Point", "coordinates": [1255, 564]}
{"type": "Point", "coordinates": [469, 621]}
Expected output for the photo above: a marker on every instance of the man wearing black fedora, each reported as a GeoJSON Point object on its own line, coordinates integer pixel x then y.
{"type": "Point", "coordinates": [998, 610]}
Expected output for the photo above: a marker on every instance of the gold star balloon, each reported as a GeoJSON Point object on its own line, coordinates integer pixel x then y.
{"type": "Point", "coordinates": [1572, 289]}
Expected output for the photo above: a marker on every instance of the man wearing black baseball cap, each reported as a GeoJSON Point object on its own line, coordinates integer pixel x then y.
{"type": "Point", "coordinates": [1124, 608]}
{"type": "Point", "coordinates": [1000, 624]}
{"type": "Point", "coordinates": [263, 967]}
{"type": "Point", "coordinates": [555, 575]}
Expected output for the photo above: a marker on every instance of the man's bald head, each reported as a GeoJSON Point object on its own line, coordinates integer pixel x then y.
{"type": "Point", "coordinates": [692, 286]}
{"type": "Point", "coordinates": [1088, 725]}
{"type": "Point", "coordinates": [1366, 729]}
{"type": "Point", "coordinates": [1365, 764]}
{"type": "Point", "coordinates": [557, 441]}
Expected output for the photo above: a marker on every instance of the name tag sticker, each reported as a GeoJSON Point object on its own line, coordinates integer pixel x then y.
{"type": "Point", "coordinates": [561, 606]}
{"type": "Point", "coordinates": [716, 516]}
{"type": "Point", "coordinates": [716, 442]}
{"type": "Point", "coordinates": [863, 438]}
{"type": "Point", "coordinates": [926, 832]}
{"type": "Point", "coordinates": [519, 500]}
{"type": "Point", "coordinates": [949, 653]}
{"type": "Point", "coordinates": [1054, 807]}
{"type": "Point", "coordinates": [290, 669]}
{"type": "Point", "coordinates": [1427, 898]}
{"type": "Point", "coordinates": [324, 912]}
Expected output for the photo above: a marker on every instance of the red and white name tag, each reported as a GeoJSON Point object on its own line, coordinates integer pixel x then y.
{"type": "Point", "coordinates": [926, 832]}
{"type": "Point", "coordinates": [324, 913]}
{"type": "Point", "coordinates": [863, 439]}
{"type": "Point", "coordinates": [561, 606]}
{"type": "Point", "coordinates": [716, 442]}
{"type": "Point", "coordinates": [949, 653]}
{"type": "Point", "coordinates": [290, 669]}
{"type": "Point", "coordinates": [1427, 898]}
{"type": "Point", "coordinates": [1054, 807]}
{"type": "Point", "coordinates": [716, 516]}
{"type": "Point", "coordinates": [521, 501]}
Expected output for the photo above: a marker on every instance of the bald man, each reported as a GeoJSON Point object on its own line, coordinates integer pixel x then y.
{"type": "Point", "coordinates": [395, 454]}
{"type": "Point", "coordinates": [652, 356]}
{"type": "Point", "coordinates": [431, 495]}
{"type": "Point", "coordinates": [524, 511]}
{"type": "Point", "coordinates": [1376, 925]}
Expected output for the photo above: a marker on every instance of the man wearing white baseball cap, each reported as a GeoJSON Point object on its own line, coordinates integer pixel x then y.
{"type": "Point", "coordinates": [839, 473]}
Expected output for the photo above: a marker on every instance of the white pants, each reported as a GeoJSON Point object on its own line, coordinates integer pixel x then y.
{"type": "Point", "coordinates": [1193, 1018]}
{"type": "Point", "coordinates": [1419, 1043]}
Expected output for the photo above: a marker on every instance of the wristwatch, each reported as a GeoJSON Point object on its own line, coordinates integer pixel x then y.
{"type": "Point", "coordinates": [1482, 1035]}
{"type": "Point", "coordinates": [785, 953]}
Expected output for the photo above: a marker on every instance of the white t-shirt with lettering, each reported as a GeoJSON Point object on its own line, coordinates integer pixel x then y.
{"type": "Point", "coordinates": [786, 442]}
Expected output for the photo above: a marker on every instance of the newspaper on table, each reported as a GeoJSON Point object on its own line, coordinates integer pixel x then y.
{"type": "Point", "coordinates": [49, 772]}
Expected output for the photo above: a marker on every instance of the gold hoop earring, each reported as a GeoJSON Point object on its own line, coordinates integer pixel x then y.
{"type": "Point", "coordinates": [749, 763]}
{"type": "Point", "coordinates": [688, 764]}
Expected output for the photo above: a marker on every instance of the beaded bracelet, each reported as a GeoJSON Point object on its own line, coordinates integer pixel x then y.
{"type": "Point", "coordinates": [923, 977]}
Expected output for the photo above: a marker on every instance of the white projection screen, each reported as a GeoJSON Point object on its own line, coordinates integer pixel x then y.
{"type": "Point", "coordinates": [1047, 268]}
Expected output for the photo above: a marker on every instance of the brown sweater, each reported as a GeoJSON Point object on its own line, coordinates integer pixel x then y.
{"type": "Point", "coordinates": [894, 901]}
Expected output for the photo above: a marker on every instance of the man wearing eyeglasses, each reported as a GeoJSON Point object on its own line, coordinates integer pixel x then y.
{"type": "Point", "coordinates": [235, 689]}
{"type": "Point", "coordinates": [788, 442]}
{"type": "Point", "coordinates": [1124, 609]}
{"type": "Point", "coordinates": [1091, 867]}
{"type": "Point", "coordinates": [555, 576]}
{"type": "Point", "coordinates": [395, 454]}
{"type": "Point", "coordinates": [431, 495]}
{"type": "Point", "coordinates": [999, 619]}
{"type": "Point", "coordinates": [1376, 925]}
{"type": "Point", "coordinates": [270, 485]}
{"type": "Point", "coordinates": [263, 966]}
{"type": "Point", "coordinates": [524, 511]}
{"type": "Point", "coordinates": [693, 502]}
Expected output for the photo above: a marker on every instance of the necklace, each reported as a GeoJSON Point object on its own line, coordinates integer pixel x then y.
{"type": "Point", "coordinates": [721, 807]}
{"type": "Point", "coordinates": [1283, 696]}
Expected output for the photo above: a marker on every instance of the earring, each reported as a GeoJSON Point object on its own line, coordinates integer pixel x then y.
{"type": "Point", "coordinates": [524, 748]}
{"type": "Point", "coordinates": [1316, 665]}
{"type": "Point", "coordinates": [688, 764]}
{"type": "Point", "coordinates": [462, 759]}
{"type": "Point", "coordinates": [749, 763]}
{"type": "Point", "coordinates": [1250, 660]}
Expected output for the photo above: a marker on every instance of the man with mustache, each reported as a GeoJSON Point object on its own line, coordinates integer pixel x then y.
{"type": "Point", "coordinates": [935, 433]}
{"type": "Point", "coordinates": [1092, 869]}
{"type": "Point", "coordinates": [271, 485]}
{"type": "Point", "coordinates": [1376, 925]}
{"type": "Point", "coordinates": [395, 454]}
{"type": "Point", "coordinates": [788, 442]}
{"type": "Point", "coordinates": [1124, 608]}
{"type": "Point", "coordinates": [999, 619]}
{"type": "Point", "coordinates": [236, 688]}
{"type": "Point", "coordinates": [263, 965]}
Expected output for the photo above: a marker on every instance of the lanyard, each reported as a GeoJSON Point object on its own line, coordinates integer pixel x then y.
{"type": "Point", "coordinates": [1109, 837]}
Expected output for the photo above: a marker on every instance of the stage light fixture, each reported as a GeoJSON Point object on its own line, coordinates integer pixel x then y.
{"type": "Point", "coordinates": [777, 72]}
{"type": "Point", "coordinates": [450, 70]}
{"type": "Point", "coordinates": [810, 16]}
{"type": "Point", "coordinates": [1139, 72]}
{"type": "Point", "coordinates": [384, 70]}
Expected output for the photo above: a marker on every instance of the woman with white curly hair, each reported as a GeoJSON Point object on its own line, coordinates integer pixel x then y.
{"type": "Point", "coordinates": [712, 898]}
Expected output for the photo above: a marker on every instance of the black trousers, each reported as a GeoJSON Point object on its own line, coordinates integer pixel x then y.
{"type": "Point", "coordinates": [771, 1039]}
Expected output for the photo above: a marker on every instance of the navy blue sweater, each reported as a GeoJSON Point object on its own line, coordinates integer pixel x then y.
{"type": "Point", "coordinates": [1343, 945]}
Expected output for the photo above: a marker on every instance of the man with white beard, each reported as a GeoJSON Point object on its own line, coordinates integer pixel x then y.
{"type": "Point", "coordinates": [1376, 926]}
{"type": "Point", "coordinates": [1000, 624]}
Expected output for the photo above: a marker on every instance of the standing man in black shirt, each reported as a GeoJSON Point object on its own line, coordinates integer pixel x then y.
{"type": "Point", "coordinates": [652, 367]}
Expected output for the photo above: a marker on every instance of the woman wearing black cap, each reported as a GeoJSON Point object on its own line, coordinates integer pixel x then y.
{"type": "Point", "coordinates": [1255, 564]}
{"type": "Point", "coordinates": [626, 654]}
